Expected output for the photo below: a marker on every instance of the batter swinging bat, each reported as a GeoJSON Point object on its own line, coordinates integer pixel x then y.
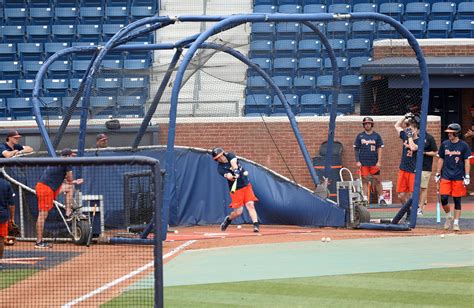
{"type": "Point", "coordinates": [89, 239]}
{"type": "Point", "coordinates": [234, 185]}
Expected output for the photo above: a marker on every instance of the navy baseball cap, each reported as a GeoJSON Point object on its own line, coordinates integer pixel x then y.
{"type": "Point", "coordinates": [67, 152]}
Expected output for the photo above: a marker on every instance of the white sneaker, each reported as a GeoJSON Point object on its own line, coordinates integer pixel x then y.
{"type": "Point", "coordinates": [448, 223]}
{"type": "Point", "coordinates": [456, 227]}
{"type": "Point", "coordinates": [419, 212]}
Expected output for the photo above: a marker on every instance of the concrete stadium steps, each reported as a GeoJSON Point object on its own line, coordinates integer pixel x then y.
{"type": "Point", "coordinates": [198, 97]}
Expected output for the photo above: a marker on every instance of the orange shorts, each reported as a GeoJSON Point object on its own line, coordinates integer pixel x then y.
{"type": "Point", "coordinates": [405, 181]}
{"type": "Point", "coordinates": [4, 229]}
{"type": "Point", "coordinates": [369, 170]}
{"type": "Point", "coordinates": [45, 196]}
{"type": "Point", "coordinates": [241, 196]}
{"type": "Point", "coordinates": [452, 188]}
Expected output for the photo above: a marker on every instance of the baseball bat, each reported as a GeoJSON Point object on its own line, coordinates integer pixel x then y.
{"type": "Point", "coordinates": [438, 206]}
{"type": "Point", "coordinates": [89, 239]}
{"type": "Point", "coordinates": [234, 185]}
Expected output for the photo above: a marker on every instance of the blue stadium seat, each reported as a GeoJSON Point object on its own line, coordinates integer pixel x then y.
{"type": "Point", "coordinates": [285, 48]}
{"type": "Point", "coordinates": [74, 84]}
{"type": "Point", "coordinates": [131, 106]}
{"type": "Point", "coordinates": [103, 106]}
{"type": "Point", "coordinates": [51, 48]}
{"type": "Point", "coordinates": [338, 46]}
{"type": "Point", "coordinates": [339, 8]}
{"type": "Point", "coordinates": [324, 84]}
{"type": "Point", "coordinates": [363, 29]}
{"type": "Point", "coordinates": [416, 11]}
{"type": "Point", "coordinates": [108, 86]}
{"type": "Point", "coordinates": [41, 15]}
{"type": "Point", "coordinates": [10, 70]}
{"type": "Point", "coordinates": [257, 104]}
{"type": "Point", "coordinates": [25, 87]}
{"type": "Point", "coordinates": [65, 15]}
{"type": "Point", "coordinates": [308, 2]}
{"type": "Point", "coordinates": [288, 30]}
{"type": "Point", "coordinates": [364, 7]}
{"type": "Point", "coordinates": [7, 88]}
{"type": "Point", "coordinates": [392, 9]}
{"type": "Point", "coordinates": [266, 8]}
{"type": "Point", "coordinates": [136, 64]}
{"type": "Point", "coordinates": [89, 33]}
{"type": "Point", "coordinates": [256, 85]}
{"type": "Point", "coordinates": [139, 12]}
{"type": "Point", "coordinates": [13, 34]}
{"type": "Point", "coordinates": [308, 33]}
{"type": "Point", "coordinates": [338, 29]}
{"type": "Point", "coordinates": [263, 31]}
{"type": "Point", "coordinates": [30, 51]}
{"type": "Point", "coordinates": [284, 83]}
{"type": "Point", "coordinates": [261, 2]}
{"type": "Point", "coordinates": [15, 15]}
{"type": "Point", "coordinates": [284, 66]}
{"type": "Point", "coordinates": [443, 11]}
{"type": "Point", "coordinates": [135, 85]}
{"type": "Point", "coordinates": [463, 28]}
{"type": "Point", "coordinates": [4, 114]}
{"type": "Point", "coordinates": [313, 104]}
{"type": "Point", "coordinates": [293, 101]}
{"type": "Point", "coordinates": [351, 84]}
{"type": "Point", "coordinates": [56, 87]}
{"type": "Point", "coordinates": [111, 68]}
{"type": "Point", "coordinates": [282, 2]}
{"type": "Point", "coordinates": [67, 102]}
{"type": "Point", "coordinates": [38, 33]}
{"type": "Point", "coordinates": [51, 107]}
{"type": "Point", "coordinates": [20, 108]}
{"type": "Point", "coordinates": [438, 29]}
{"type": "Point", "coordinates": [8, 52]}
{"type": "Point", "coordinates": [465, 10]}
{"type": "Point", "coordinates": [64, 33]}
{"type": "Point", "coordinates": [79, 67]}
{"type": "Point", "coordinates": [314, 9]}
{"type": "Point", "coordinates": [342, 65]}
{"type": "Point", "coordinates": [304, 84]}
{"type": "Point", "coordinates": [116, 15]}
{"type": "Point", "coordinates": [261, 48]}
{"type": "Point", "coordinates": [309, 66]}
{"type": "Point", "coordinates": [59, 69]}
{"type": "Point", "coordinates": [309, 48]}
{"type": "Point", "coordinates": [356, 62]}
{"type": "Point", "coordinates": [416, 27]}
{"type": "Point", "coordinates": [109, 30]}
{"type": "Point", "coordinates": [30, 68]}
{"type": "Point", "coordinates": [289, 9]}
{"type": "Point", "coordinates": [345, 103]}
{"type": "Point", "coordinates": [91, 15]}
{"type": "Point", "coordinates": [385, 31]}
{"type": "Point", "coordinates": [264, 63]}
{"type": "Point", "coordinates": [358, 47]}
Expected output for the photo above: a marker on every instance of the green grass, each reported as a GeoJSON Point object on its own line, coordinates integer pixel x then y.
{"type": "Point", "coordinates": [434, 287]}
{"type": "Point", "coordinates": [9, 277]}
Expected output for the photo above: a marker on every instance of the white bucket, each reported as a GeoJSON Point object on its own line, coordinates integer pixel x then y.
{"type": "Point", "coordinates": [387, 191]}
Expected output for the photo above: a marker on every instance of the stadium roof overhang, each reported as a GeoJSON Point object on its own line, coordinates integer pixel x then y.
{"type": "Point", "coordinates": [403, 72]}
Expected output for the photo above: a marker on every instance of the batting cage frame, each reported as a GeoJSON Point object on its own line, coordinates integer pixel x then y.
{"type": "Point", "coordinates": [193, 43]}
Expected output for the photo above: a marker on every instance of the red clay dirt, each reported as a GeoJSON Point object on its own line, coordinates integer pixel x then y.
{"type": "Point", "coordinates": [100, 264]}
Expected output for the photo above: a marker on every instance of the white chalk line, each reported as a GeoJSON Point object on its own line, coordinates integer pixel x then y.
{"type": "Point", "coordinates": [125, 277]}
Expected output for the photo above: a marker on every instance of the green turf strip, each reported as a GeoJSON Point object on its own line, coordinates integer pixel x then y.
{"type": "Point", "coordinates": [434, 287]}
{"type": "Point", "coordinates": [9, 277]}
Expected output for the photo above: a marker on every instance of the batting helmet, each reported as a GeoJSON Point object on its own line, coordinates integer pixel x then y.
{"type": "Point", "coordinates": [368, 120]}
{"type": "Point", "coordinates": [217, 152]}
{"type": "Point", "coordinates": [453, 128]}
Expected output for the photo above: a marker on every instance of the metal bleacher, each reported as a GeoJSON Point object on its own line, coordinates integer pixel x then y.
{"type": "Point", "coordinates": [33, 30]}
{"type": "Point", "coordinates": [307, 70]}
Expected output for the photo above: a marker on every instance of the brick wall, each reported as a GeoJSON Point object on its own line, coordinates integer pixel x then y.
{"type": "Point", "coordinates": [430, 47]}
{"type": "Point", "coordinates": [248, 137]}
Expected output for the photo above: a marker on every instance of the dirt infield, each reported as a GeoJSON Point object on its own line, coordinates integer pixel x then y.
{"type": "Point", "coordinates": [100, 264]}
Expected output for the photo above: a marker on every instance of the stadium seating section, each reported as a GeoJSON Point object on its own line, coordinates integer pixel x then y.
{"type": "Point", "coordinates": [293, 55]}
{"type": "Point", "coordinates": [33, 30]}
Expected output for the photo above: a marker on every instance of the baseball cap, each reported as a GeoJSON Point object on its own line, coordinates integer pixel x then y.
{"type": "Point", "coordinates": [67, 152]}
{"type": "Point", "coordinates": [14, 134]}
{"type": "Point", "coordinates": [101, 137]}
